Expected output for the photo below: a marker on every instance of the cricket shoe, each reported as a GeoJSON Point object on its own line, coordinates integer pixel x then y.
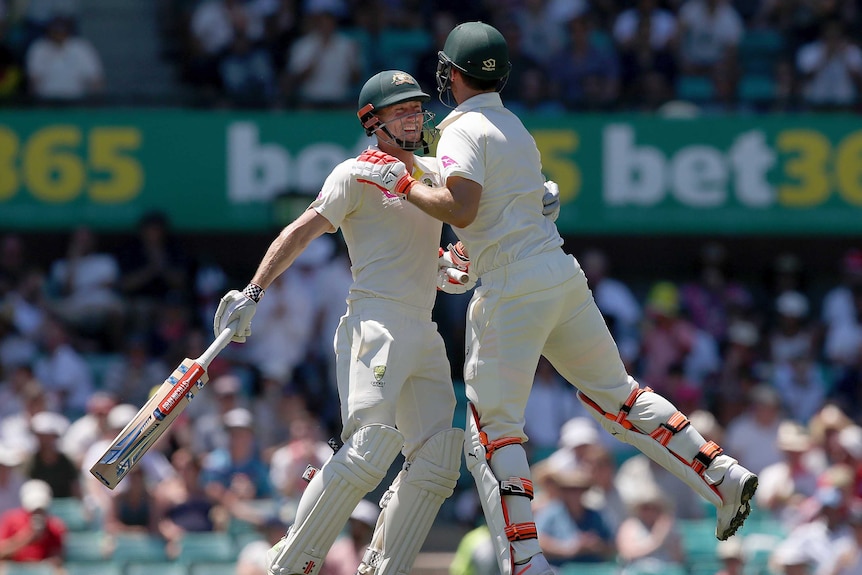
{"type": "Point", "coordinates": [736, 490]}
{"type": "Point", "coordinates": [537, 565]}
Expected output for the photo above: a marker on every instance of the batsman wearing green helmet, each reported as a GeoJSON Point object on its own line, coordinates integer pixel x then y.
{"type": "Point", "coordinates": [393, 374]}
{"type": "Point", "coordinates": [534, 300]}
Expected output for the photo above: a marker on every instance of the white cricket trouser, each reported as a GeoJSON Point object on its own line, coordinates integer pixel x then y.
{"type": "Point", "coordinates": [537, 306]}
{"type": "Point", "coordinates": [392, 369]}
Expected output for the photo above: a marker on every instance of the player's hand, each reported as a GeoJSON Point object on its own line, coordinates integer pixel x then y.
{"type": "Point", "coordinates": [551, 201]}
{"type": "Point", "coordinates": [453, 270]}
{"type": "Point", "coordinates": [387, 173]}
{"type": "Point", "coordinates": [235, 306]}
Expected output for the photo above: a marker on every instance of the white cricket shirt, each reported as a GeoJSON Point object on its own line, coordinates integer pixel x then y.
{"type": "Point", "coordinates": [392, 244]}
{"type": "Point", "coordinates": [484, 142]}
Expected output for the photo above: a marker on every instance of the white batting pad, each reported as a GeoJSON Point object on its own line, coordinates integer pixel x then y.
{"type": "Point", "coordinates": [331, 496]}
{"type": "Point", "coordinates": [489, 494]}
{"type": "Point", "coordinates": [648, 412]}
{"type": "Point", "coordinates": [412, 504]}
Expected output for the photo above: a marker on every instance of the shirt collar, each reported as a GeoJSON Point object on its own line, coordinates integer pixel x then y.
{"type": "Point", "coordinates": [483, 100]}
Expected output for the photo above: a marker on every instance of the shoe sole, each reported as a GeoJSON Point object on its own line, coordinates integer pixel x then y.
{"type": "Point", "coordinates": [748, 489]}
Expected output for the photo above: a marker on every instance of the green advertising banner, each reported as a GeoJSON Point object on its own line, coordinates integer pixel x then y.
{"type": "Point", "coordinates": [212, 170]}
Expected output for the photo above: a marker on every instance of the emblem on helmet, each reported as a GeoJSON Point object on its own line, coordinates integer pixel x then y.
{"type": "Point", "coordinates": [402, 78]}
{"type": "Point", "coordinates": [489, 65]}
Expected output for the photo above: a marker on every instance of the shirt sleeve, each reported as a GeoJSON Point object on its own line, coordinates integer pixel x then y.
{"type": "Point", "coordinates": [337, 197]}
{"type": "Point", "coordinates": [460, 155]}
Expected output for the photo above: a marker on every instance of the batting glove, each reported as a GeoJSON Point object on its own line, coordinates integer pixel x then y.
{"type": "Point", "coordinates": [387, 173]}
{"type": "Point", "coordinates": [450, 279]}
{"type": "Point", "coordinates": [235, 306]}
{"type": "Point", "coordinates": [551, 201]}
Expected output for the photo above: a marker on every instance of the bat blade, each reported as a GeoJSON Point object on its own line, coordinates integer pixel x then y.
{"type": "Point", "coordinates": [150, 423]}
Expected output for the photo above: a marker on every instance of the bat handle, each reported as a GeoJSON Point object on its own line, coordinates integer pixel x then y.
{"type": "Point", "coordinates": [219, 344]}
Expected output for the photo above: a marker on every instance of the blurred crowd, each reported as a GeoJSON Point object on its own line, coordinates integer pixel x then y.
{"type": "Point", "coordinates": [725, 56]}
{"type": "Point", "coordinates": [769, 369]}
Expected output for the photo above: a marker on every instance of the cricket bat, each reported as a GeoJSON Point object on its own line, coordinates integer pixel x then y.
{"type": "Point", "coordinates": [157, 414]}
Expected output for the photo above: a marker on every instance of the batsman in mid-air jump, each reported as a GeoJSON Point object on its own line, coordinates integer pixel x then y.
{"type": "Point", "coordinates": [533, 300]}
{"type": "Point", "coordinates": [393, 373]}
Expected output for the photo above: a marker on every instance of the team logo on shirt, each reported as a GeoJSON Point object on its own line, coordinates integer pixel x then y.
{"type": "Point", "coordinates": [489, 65]}
{"type": "Point", "coordinates": [379, 371]}
{"type": "Point", "coordinates": [446, 161]}
{"type": "Point", "coordinates": [402, 78]}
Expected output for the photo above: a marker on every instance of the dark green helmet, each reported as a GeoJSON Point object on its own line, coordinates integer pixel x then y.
{"type": "Point", "coordinates": [478, 50]}
{"type": "Point", "coordinates": [388, 88]}
{"type": "Point", "coordinates": [385, 89]}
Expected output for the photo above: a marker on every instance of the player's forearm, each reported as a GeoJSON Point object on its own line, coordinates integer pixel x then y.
{"type": "Point", "coordinates": [291, 242]}
{"type": "Point", "coordinates": [442, 204]}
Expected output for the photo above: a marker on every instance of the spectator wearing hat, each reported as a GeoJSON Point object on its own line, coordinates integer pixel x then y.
{"type": "Point", "coordinates": [817, 540]}
{"type": "Point", "coordinates": [731, 554]}
{"type": "Point", "coordinates": [89, 428]}
{"type": "Point", "coordinates": [29, 533]}
{"type": "Point", "coordinates": [752, 436]}
{"type": "Point", "coordinates": [48, 463]}
{"type": "Point", "coordinates": [552, 402]}
{"type": "Point", "coordinates": [824, 429]}
{"type": "Point", "coordinates": [785, 485]}
{"type": "Point", "coordinates": [208, 428]}
{"type": "Point", "coordinates": [649, 539]}
{"type": "Point", "coordinates": [346, 553]}
{"type": "Point", "coordinates": [252, 556]}
{"type": "Point", "coordinates": [11, 478]}
{"type": "Point", "coordinates": [576, 435]}
{"type": "Point", "coordinates": [289, 460]}
{"type": "Point", "coordinates": [236, 472]}
{"type": "Point", "coordinates": [568, 530]}
{"type": "Point", "coordinates": [791, 335]}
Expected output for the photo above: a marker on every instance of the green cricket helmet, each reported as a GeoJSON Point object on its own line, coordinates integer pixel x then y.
{"type": "Point", "coordinates": [476, 49]}
{"type": "Point", "coordinates": [386, 89]}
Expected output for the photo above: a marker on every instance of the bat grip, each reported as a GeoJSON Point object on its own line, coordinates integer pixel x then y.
{"type": "Point", "coordinates": [458, 275]}
{"type": "Point", "coordinates": [219, 344]}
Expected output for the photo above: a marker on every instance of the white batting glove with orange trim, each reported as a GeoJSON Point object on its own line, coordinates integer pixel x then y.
{"type": "Point", "coordinates": [453, 270]}
{"type": "Point", "coordinates": [385, 172]}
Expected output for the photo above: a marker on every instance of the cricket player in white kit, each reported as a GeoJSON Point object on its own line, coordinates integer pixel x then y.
{"type": "Point", "coordinates": [393, 373]}
{"type": "Point", "coordinates": [533, 300]}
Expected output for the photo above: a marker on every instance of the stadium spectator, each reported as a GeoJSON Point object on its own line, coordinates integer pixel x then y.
{"type": "Point", "coordinates": [63, 371]}
{"type": "Point", "coordinates": [646, 15]}
{"type": "Point", "coordinates": [831, 68]}
{"type": "Point", "coordinates": [667, 338]}
{"type": "Point", "coordinates": [246, 72]}
{"type": "Point", "coordinates": [791, 335]}
{"type": "Point", "coordinates": [153, 268]}
{"type": "Point", "coordinates": [30, 532]}
{"type": "Point", "coordinates": [324, 64]}
{"type": "Point", "coordinates": [752, 436]}
{"type": "Point", "coordinates": [181, 503]}
{"type": "Point", "coordinates": [134, 370]}
{"type": "Point", "coordinates": [132, 510]}
{"type": "Point", "coordinates": [289, 460]}
{"type": "Point", "coordinates": [211, 32]}
{"type": "Point", "coordinates": [11, 478]}
{"type": "Point", "coordinates": [63, 67]}
{"type": "Point", "coordinates": [542, 32]}
{"type": "Point", "coordinates": [252, 556]}
{"type": "Point", "coordinates": [585, 73]}
{"type": "Point", "coordinates": [208, 428]}
{"type": "Point", "coordinates": [569, 532]}
{"type": "Point", "coordinates": [237, 471]}
{"type": "Point", "coordinates": [650, 540]}
{"type": "Point", "coordinates": [90, 427]}
{"type": "Point", "coordinates": [786, 484]}
{"type": "Point", "coordinates": [85, 291]}
{"type": "Point", "coordinates": [709, 34]}
{"type": "Point", "coordinates": [15, 429]}
{"type": "Point", "coordinates": [604, 496]}
{"type": "Point", "coordinates": [47, 462]}
{"type": "Point", "coordinates": [346, 553]}
{"type": "Point", "coordinates": [802, 385]}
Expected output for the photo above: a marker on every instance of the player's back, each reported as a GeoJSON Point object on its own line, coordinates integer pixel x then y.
{"type": "Point", "coordinates": [509, 225]}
